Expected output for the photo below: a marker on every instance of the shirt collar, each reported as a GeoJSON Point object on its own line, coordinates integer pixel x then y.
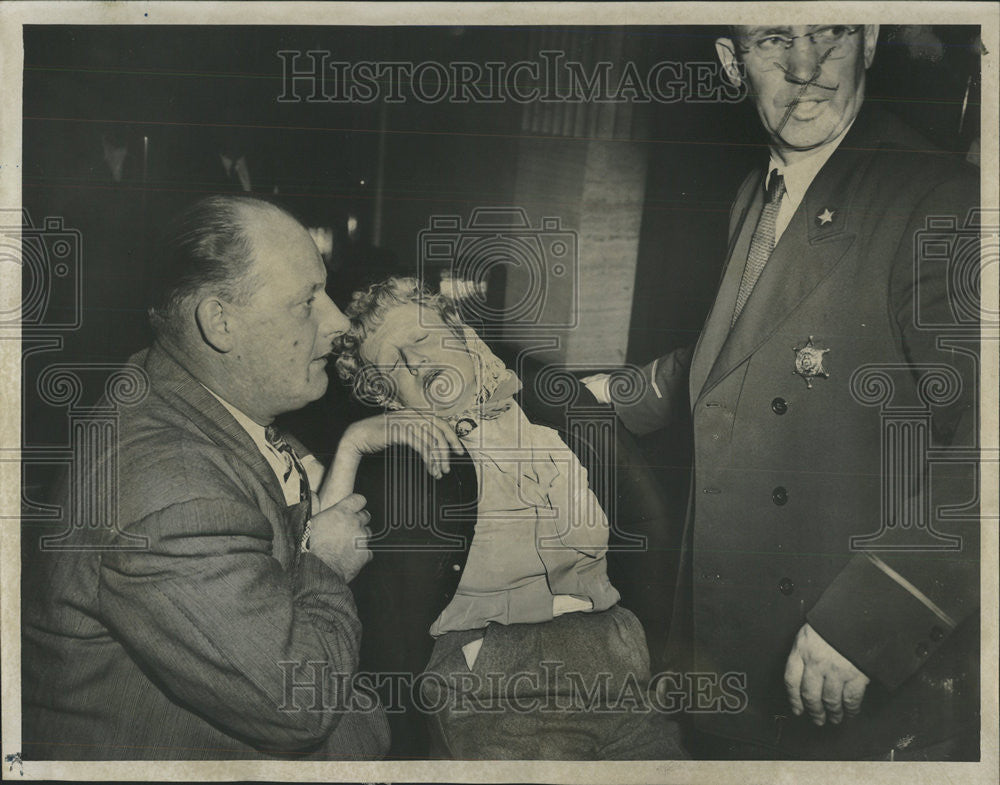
{"type": "Point", "coordinates": [255, 429]}
{"type": "Point", "coordinates": [798, 176]}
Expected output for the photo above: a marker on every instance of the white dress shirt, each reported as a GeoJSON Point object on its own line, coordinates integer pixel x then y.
{"type": "Point", "coordinates": [291, 486]}
{"type": "Point", "coordinates": [798, 177]}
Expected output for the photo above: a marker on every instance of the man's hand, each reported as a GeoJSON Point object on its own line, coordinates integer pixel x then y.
{"type": "Point", "coordinates": [823, 680]}
{"type": "Point", "coordinates": [599, 385]}
{"type": "Point", "coordinates": [339, 536]}
{"type": "Point", "coordinates": [430, 436]}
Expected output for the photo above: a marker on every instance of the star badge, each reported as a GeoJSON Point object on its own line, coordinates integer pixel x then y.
{"type": "Point", "coordinates": [809, 362]}
{"type": "Point", "coordinates": [826, 217]}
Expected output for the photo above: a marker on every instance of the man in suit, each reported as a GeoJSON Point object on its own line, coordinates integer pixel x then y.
{"type": "Point", "coordinates": [214, 619]}
{"type": "Point", "coordinates": [815, 563]}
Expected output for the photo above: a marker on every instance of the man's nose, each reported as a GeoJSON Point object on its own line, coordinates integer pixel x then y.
{"type": "Point", "coordinates": [332, 319]}
{"type": "Point", "coordinates": [802, 60]}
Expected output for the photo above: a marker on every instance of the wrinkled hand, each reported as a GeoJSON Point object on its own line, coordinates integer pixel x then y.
{"type": "Point", "coordinates": [430, 436]}
{"type": "Point", "coordinates": [822, 680]}
{"type": "Point", "coordinates": [339, 536]}
{"type": "Point", "coordinates": [599, 385]}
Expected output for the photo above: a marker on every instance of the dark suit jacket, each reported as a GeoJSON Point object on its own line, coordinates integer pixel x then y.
{"type": "Point", "coordinates": [423, 529]}
{"type": "Point", "coordinates": [787, 477]}
{"type": "Point", "coordinates": [179, 632]}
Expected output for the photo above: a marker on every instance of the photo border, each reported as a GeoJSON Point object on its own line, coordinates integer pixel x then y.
{"type": "Point", "coordinates": [13, 16]}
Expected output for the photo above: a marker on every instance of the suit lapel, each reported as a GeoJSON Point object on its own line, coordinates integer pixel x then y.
{"type": "Point", "coordinates": [816, 240]}
{"type": "Point", "coordinates": [716, 328]}
{"type": "Point", "coordinates": [189, 396]}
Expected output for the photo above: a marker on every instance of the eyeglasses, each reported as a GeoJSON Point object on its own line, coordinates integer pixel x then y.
{"type": "Point", "coordinates": [828, 38]}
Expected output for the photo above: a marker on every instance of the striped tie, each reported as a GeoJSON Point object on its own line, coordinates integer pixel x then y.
{"type": "Point", "coordinates": [763, 241]}
{"type": "Point", "coordinates": [284, 449]}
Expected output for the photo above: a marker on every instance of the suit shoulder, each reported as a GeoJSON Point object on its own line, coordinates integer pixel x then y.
{"type": "Point", "coordinates": [906, 156]}
{"type": "Point", "coordinates": [163, 454]}
{"type": "Point", "coordinates": [154, 426]}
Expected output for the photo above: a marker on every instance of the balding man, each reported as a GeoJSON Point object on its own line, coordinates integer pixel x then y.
{"type": "Point", "coordinates": [231, 632]}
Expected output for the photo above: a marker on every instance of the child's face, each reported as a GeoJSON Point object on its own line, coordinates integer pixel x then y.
{"type": "Point", "coordinates": [428, 367]}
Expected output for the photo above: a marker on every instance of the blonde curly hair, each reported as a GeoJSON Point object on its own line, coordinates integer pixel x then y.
{"type": "Point", "coordinates": [367, 311]}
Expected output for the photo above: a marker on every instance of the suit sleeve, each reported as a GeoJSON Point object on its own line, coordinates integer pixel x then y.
{"type": "Point", "coordinates": [662, 394]}
{"type": "Point", "coordinates": [211, 615]}
{"type": "Point", "coordinates": [888, 611]}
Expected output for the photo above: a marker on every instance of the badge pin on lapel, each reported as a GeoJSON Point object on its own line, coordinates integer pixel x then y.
{"type": "Point", "coordinates": [809, 362]}
{"type": "Point", "coordinates": [826, 217]}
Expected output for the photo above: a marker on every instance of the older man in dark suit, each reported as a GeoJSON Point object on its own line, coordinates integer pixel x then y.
{"type": "Point", "coordinates": [835, 359]}
{"type": "Point", "coordinates": [214, 619]}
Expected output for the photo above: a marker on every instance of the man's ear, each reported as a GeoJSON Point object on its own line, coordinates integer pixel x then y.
{"type": "Point", "coordinates": [215, 324]}
{"type": "Point", "coordinates": [725, 48]}
{"type": "Point", "coordinates": [871, 39]}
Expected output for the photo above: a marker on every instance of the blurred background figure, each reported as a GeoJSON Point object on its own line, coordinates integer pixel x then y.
{"type": "Point", "coordinates": [237, 161]}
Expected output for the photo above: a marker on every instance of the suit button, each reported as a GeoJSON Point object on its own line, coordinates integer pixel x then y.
{"type": "Point", "coordinates": [457, 567]}
{"type": "Point", "coordinates": [779, 406]}
{"type": "Point", "coordinates": [779, 496]}
{"type": "Point", "coordinates": [786, 586]}
{"type": "Point", "coordinates": [922, 649]}
{"type": "Point", "coordinates": [937, 633]}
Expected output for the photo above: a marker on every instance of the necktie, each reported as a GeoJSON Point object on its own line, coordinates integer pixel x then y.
{"type": "Point", "coordinates": [292, 462]}
{"type": "Point", "coordinates": [762, 242]}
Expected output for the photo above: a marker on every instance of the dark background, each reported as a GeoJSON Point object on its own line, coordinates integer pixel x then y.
{"type": "Point", "coordinates": [174, 95]}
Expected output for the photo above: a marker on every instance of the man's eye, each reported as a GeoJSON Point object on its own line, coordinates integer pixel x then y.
{"type": "Point", "coordinates": [831, 34]}
{"type": "Point", "coordinates": [422, 338]}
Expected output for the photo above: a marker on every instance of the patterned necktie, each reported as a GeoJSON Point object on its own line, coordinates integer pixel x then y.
{"type": "Point", "coordinates": [763, 241]}
{"type": "Point", "coordinates": [284, 449]}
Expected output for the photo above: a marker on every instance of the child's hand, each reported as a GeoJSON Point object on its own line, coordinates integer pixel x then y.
{"type": "Point", "coordinates": [430, 436]}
